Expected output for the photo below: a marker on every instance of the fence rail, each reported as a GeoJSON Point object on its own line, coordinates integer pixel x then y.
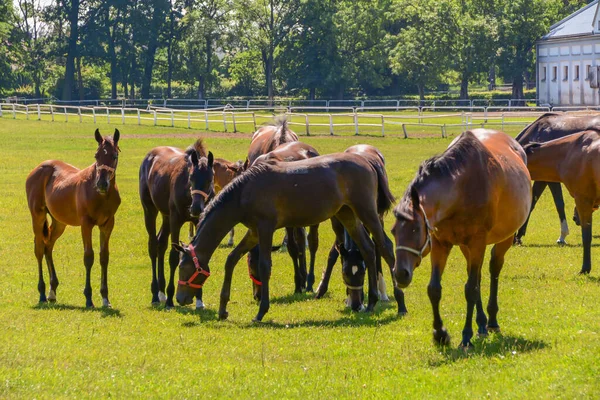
{"type": "Point", "coordinates": [373, 119]}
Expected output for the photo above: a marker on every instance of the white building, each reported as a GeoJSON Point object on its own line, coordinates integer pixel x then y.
{"type": "Point", "coordinates": [565, 58]}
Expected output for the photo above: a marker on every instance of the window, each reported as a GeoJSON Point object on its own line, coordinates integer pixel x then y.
{"type": "Point", "coordinates": [599, 25]}
{"type": "Point", "coordinates": [588, 72]}
{"type": "Point", "coordinates": [543, 74]}
{"type": "Point", "coordinates": [565, 73]}
{"type": "Point", "coordinates": [576, 73]}
{"type": "Point", "coordinates": [554, 73]}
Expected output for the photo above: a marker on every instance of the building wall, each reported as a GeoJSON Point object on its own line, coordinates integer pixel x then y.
{"type": "Point", "coordinates": [561, 57]}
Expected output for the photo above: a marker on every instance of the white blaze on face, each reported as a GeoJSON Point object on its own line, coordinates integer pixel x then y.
{"type": "Point", "coordinates": [354, 270]}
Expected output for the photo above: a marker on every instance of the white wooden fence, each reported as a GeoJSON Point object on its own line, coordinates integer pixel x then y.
{"type": "Point", "coordinates": [343, 119]}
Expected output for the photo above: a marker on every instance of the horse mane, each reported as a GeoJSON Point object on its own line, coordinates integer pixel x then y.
{"type": "Point", "coordinates": [232, 191]}
{"type": "Point", "coordinates": [198, 147]}
{"type": "Point", "coordinates": [530, 127]}
{"type": "Point", "coordinates": [283, 135]}
{"type": "Point", "coordinates": [446, 165]}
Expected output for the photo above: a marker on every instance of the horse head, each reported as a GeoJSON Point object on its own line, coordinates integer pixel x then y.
{"type": "Point", "coordinates": [353, 272]}
{"type": "Point", "coordinates": [107, 157]}
{"type": "Point", "coordinates": [201, 176]}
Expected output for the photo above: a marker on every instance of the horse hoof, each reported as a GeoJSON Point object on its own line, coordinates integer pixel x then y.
{"type": "Point", "coordinates": [517, 241]}
{"type": "Point", "coordinates": [466, 347]}
{"type": "Point", "coordinates": [106, 303]}
{"type": "Point", "coordinates": [89, 306]}
{"type": "Point", "coordinates": [384, 297]}
{"type": "Point", "coordinates": [223, 316]}
{"type": "Point", "coordinates": [585, 271]}
{"type": "Point", "coordinates": [561, 242]}
{"type": "Point", "coordinates": [482, 334]}
{"type": "Point", "coordinates": [168, 307]}
{"type": "Point", "coordinates": [52, 296]}
{"type": "Point", "coordinates": [199, 305]}
{"type": "Point", "coordinates": [493, 329]}
{"type": "Point", "coordinates": [162, 297]}
{"type": "Point", "coordinates": [257, 319]}
{"type": "Point", "coordinates": [441, 337]}
{"type": "Point", "coordinates": [402, 314]}
{"type": "Point", "coordinates": [43, 300]}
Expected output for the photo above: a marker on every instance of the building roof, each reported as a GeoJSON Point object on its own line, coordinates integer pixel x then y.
{"type": "Point", "coordinates": [580, 23]}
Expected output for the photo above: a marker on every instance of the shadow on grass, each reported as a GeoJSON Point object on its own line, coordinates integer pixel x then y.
{"type": "Point", "coordinates": [554, 245]}
{"type": "Point", "coordinates": [293, 298]}
{"type": "Point", "coordinates": [105, 311]}
{"type": "Point", "coordinates": [492, 346]}
{"type": "Point", "coordinates": [593, 279]}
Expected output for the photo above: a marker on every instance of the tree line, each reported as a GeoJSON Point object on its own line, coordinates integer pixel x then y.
{"type": "Point", "coordinates": [76, 49]}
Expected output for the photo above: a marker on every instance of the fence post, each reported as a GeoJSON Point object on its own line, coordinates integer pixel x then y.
{"type": "Point", "coordinates": [155, 118]}
{"type": "Point", "coordinates": [79, 113]}
{"type": "Point", "coordinates": [397, 104]}
{"type": "Point", "coordinates": [444, 131]}
{"type": "Point", "coordinates": [0, 110]}
{"type": "Point", "coordinates": [234, 125]}
{"type": "Point", "coordinates": [485, 111]}
{"type": "Point", "coordinates": [38, 110]}
{"type": "Point", "coordinates": [52, 112]}
{"type": "Point", "coordinates": [172, 118]}
{"type": "Point", "coordinates": [254, 119]}
{"type": "Point", "coordinates": [206, 119]}
{"type": "Point", "coordinates": [247, 105]}
{"type": "Point", "coordinates": [165, 103]}
{"type": "Point", "coordinates": [66, 115]}
{"type": "Point", "coordinates": [189, 121]}
{"type": "Point", "coordinates": [382, 126]}
{"type": "Point", "coordinates": [26, 112]}
{"type": "Point", "coordinates": [502, 122]}
{"type": "Point", "coordinates": [355, 122]}
{"type": "Point", "coordinates": [404, 130]}
{"type": "Point", "coordinates": [224, 122]}
{"type": "Point", "coordinates": [330, 125]}
{"type": "Point", "coordinates": [123, 116]}
{"type": "Point", "coordinates": [139, 117]}
{"type": "Point", "coordinates": [107, 115]}
{"type": "Point", "coordinates": [14, 111]}
{"type": "Point", "coordinates": [307, 125]}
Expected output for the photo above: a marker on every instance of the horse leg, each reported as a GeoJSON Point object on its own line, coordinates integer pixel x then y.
{"type": "Point", "coordinates": [162, 244]}
{"type": "Point", "coordinates": [338, 229]}
{"type": "Point", "coordinates": [245, 245]}
{"type": "Point", "coordinates": [496, 263]}
{"type": "Point", "coordinates": [300, 239]}
{"type": "Point", "coordinates": [150, 214]}
{"type": "Point", "coordinates": [474, 253]}
{"type": "Point", "coordinates": [585, 209]}
{"type": "Point", "coordinates": [105, 232]}
{"type": "Point", "coordinates": [39, 226]}
{"type": "Point", "coordinates": [313, 246]}
{"type": "Point", "coordinates": [88, 259]}
{"type": "Point", "coordinates": [439, 258]}
{"type": "Point", "coordinates": [559, 203]}
{"type": "Point", "coordinates": [381, 288]}
{"type": "Point", "coordinates": [231, 233]}
{"type": "Point", "coordinates": [294, 253]}
{"type": "Point", "coordinates": [56, 230]}
{"type": "Point", "coordinates": [538, 189]}
{"type": "Point", "coordinates": [265, 242]}
{"type": "Point", "coordinates": [576, 217]}
{"type": "Point", "coordinates": [175, 227]}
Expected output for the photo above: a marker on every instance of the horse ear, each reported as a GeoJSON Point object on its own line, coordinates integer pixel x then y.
{"type": "Point", "coordinates": [98, 136]}
{"type": "Point", "coordinates": [194, 157]}
{"type": "Point", "coordinates": [178, 247]}
{"type": "Point", "coordinates": [210, 159]}
{"type": "Point", "coordinates": [116, 136]}
{"type": "Point", "coordinates": [414, 195]}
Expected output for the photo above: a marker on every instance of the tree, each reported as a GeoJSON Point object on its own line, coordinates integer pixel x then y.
{"type": "Point", "coordinates": [7, 47]}
{"type": "Point", "coordinates": [155, 13]}
{"type": "Point", "coordinates": [72, 7]}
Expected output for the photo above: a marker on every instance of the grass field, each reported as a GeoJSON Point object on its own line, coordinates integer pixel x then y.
{"type": "Point", "coordinates": [549, 346]}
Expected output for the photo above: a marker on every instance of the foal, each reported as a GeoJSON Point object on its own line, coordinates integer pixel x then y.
{"type": "Point", "coordinates": [225, 171]}
{"type": "Point", "coordinates": [70, 196]}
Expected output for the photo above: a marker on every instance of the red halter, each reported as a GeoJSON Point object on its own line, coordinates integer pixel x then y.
{"type": "Point", "coordinates": [199, 270]}
{"type": "Point", "coordinates": [252, 278]}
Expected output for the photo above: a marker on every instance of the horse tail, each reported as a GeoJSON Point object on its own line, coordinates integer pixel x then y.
{"type": "Point", "coordinates": [385, 198]}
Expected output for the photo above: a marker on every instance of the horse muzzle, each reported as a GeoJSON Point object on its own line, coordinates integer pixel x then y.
{"type": "Point", "coordinates": [403, 277]}
{"type": "Point", "coordinates": [184, 299]}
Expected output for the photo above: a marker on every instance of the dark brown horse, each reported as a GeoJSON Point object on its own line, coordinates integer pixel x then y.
{"type": "Point", "coordinates": [177, 184]}
{"type": "Point", "coordinates": [476, 193]}
{"type": "Point", "coordinates": [289, 152]}
{"type": "Point", "coordinates": [575, 161]}
{"type": "Point", "coordinates": [353, 268]}
{"type": "Point", "coordinates": [272, 195]}
{"type": "Point", "coordinates": [225, 171]}
{"type": "Point", "coordinates": [548, 127]}
{"type": "Point", "coordinates": [86, 198]}
{"type": "Point", "coordinates": [269, 137]}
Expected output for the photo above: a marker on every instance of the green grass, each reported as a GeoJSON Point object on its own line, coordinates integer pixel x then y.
{"type": "Point", "coordinates": [549, 346]}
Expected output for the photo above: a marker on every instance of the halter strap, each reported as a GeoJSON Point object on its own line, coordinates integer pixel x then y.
{"type": "Point", "coordinates": [199, 271]}
{"type": "Point", "coordinates": [355, 287]}
{"type": "Point", "coordinates": [419, 253]}
{"type": "Point", "coordinates": [252, 277]}
{"type": "Point", "coordinates": [110, 170]}
{"type": "Point", "coordinates": [200, 192]}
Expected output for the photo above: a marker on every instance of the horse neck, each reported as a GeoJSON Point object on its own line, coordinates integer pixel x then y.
{"type": "Point", "coordinates": [213, 228]}
{"type": "Point", "coordinates": [542, 163]}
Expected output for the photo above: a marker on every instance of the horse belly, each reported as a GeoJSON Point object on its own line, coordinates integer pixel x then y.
{"type": "Point", "coordinates": [308, 206]}
{"type": "Point", "coordinates": [61, 204]}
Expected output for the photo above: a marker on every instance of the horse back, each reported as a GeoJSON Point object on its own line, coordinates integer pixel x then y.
{"type": "Point", "coordinates": [552, 126]}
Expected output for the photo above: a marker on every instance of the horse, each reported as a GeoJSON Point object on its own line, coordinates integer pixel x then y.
{"type": "Point", "coordinates": [86, 198]}
{"type": "Point", "coordinates": [289, 152]}
{"type": "Point", "coordinates": [178, 184]}
{"type": "Point", "coordinates": [272, 195]}
{"type": "Point", "coordinates": [575, 161]}
{"type": "Point", "coordinates": [476, 193]}
{"type": "Point", "coordinates": [548, 127]}
{"type": "Point", "coordinates": [224, 172]}
{"type": "Point", "coordinates": [269, 137]}
{"type": "Point", "coordinates": [352, 260]}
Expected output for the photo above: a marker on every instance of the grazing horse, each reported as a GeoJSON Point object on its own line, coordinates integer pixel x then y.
{"type": "Point", "coordinates": [269, 137]}
{"type": "Point", "coordinates": [273, 195]}
{"type": "Point", "coordinates": [225, 171]}
{"type": "Point", "coordinates": [351, 258]}
{"type": "Point", "coordinates": [476, 193]}
{"type": "Point", "coordinates": [575, 161]}
{"type": "Point", "coordinates": [548, 127]}
{"type": "Point", "coordinates": [289, 152]}
{"type": "Point", "coordinates": [177, 184]}
{"type": "Point", "coordinates": [86, 198]}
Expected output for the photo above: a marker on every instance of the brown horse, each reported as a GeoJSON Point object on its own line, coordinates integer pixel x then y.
{"type": "Point", "coordinates": [272, 195]}
{"type": "Point", "coordinates": [86, 198]}
{"type": "Point", "coordinates": [575, 161]}
{"type": "Point", "coordinates": [225, 171]}
{"type": "Point", "coordinates": [476, 193]}
{"type": "Point", "coordinates": [289, 152]}
{"type": "Point", "coordinates": [352, 263]}
{"type": "Point", "coordinates": [177, 184]}
{"type": "Point", "coordinates": [269, 137]}
{"type": "Point", "coordinates": [548, 127]}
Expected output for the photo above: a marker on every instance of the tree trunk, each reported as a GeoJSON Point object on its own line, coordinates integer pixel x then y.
{"type": "Point", "coordinates": [517, 90]}
{"type": "Point", "coordinates": [169, 68]}
{"type": "Point", "coordinates": [112, 54]}
{"type": "Point", "coordinates": [80, 79]}
{"type": "Point", "coordinates": [37, 83]}
{"type": "Point", "coordinates": [69, 81]}
{"type": "Point", "coordinates": [148, 68]}
{"type": "Point", "coordinates": [421, 88]}
{"type": "Point", "coordinates": [312, 93]}
{"type": "Point", "coordinates": [201, 87]}
{"type": "Point", "coordinates": [208, 75]}
{"type": "Point", "coordinates": [464, 87]}
{"type": "Point", "coordinates": [125, 88]}
{"type": "Point", "coordinates": [340, 94]}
